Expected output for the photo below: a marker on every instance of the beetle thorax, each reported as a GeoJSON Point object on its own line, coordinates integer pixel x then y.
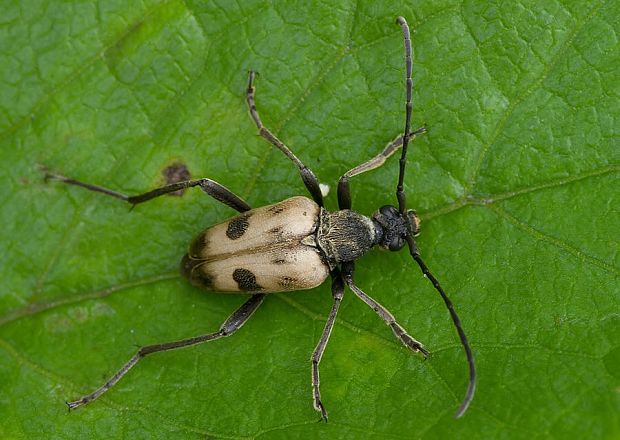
{"type": "Point", "coordinates": [344, 236]}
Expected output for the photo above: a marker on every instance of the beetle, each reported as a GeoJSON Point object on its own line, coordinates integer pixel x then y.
{"type": "Point", "coordinates": [295, 244]}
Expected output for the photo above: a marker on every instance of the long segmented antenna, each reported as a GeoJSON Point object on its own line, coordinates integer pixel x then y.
{"type": "Point", "coordinates": [400, 193]}
{"type": "Point", "coordinates": [471, 388]}
{"type": "Point", "coordinates": [413, 250]}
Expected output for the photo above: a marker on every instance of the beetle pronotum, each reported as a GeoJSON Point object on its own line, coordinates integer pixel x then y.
{"type": "Point", "coordinates": [294, 244]}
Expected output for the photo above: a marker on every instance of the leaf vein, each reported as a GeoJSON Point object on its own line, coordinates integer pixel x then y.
{"type": "Point", "coordinates": [535, 85]}
{"type": "Point", "coordinates": [35, 308]}
{"type": "Point", "coordinates": [494, 198]}
{"type": "Point", "coordinates": [540, 235]}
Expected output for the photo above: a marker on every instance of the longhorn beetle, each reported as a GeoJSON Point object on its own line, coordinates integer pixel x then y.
{"type": "Point", "coordinates": [294, 244]}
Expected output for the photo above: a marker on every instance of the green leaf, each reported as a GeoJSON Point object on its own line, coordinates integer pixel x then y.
{"type": "Point", "coordinates": [516, 183]}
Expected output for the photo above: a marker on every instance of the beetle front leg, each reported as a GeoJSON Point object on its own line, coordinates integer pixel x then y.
{"type": "Point", "coordinates": [337, 294]}
{"type": "Point", "coordinates": [344, 192]}
{"type": "Point", "coordinates": [211, 187]}
{"type": "Point", "coordinates": [230, 326]}
{"type": "Point", "coordinates": [308, 177]}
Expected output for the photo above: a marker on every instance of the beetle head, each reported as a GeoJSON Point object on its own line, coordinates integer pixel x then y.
{"type": "Point", "coordinates": [392, 227]}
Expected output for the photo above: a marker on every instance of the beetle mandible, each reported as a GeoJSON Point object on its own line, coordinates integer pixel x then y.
{"type": "Point", "coordinates": [295, 244]}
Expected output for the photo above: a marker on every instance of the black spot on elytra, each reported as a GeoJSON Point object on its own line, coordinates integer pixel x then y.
{"type": "Point", "coordinates": [176, 172]}
{"type": "Point", "coordinates": [246, 280]}
{"type": "Point", "coordinates": [279, 261]}
{"type": "Point", "coordinates": [276, 209]}
{"type": "Point", "coordinates": [237, 227]}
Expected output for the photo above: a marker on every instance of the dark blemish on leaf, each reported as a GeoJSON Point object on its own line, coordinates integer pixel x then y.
{"type": "Point", "coordinates": [246, 280]}
{"type": "Point", "coordinates": [176, 172]}
{"type": "Point", "coordinates": [237, 226]}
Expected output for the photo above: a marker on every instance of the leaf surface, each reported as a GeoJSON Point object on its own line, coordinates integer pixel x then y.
{"type": "Point", "coordinates": [516, 183]}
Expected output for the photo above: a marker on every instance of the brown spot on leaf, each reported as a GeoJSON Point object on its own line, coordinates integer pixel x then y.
{"type": "Point", "coordinates": [176, 172]}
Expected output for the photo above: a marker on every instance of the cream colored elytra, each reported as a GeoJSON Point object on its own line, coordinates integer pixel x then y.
{"type": "Point", "coordinates": [267, 249]}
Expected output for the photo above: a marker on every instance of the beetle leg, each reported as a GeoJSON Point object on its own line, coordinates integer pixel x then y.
{"type": "Point", "coordinates": [231, 325]}
{"type": "Point", "coordinates": [344, 191]}
{"type": "Point", "coordinates": [211, 187]}
{"type": "Point", "coordinates": [308, 177]}
{"type": "Point", "coordinates": [384, 313]}
{"type": "Point", "coordinates": [337, 293]}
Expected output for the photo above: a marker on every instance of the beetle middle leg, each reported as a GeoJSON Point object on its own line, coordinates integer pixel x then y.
{"type": "Point", "coordinates": [230, 326]}
{"type": "Point", "coordinates": [211, 187]}
{"type": "Point", "coordinates": [308, 177]}
{"type": "Point", "coordinates": [408, 340]}
{"type": "Point", "coordinates": [337, 294]}
{"type": "Point", "coordinates": [344, 191]}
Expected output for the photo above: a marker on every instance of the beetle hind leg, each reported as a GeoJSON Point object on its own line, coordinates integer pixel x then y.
{"type": "Point", "coordinates": [337, 294]}
{"type": "Point", "coordinates": [230, 326]}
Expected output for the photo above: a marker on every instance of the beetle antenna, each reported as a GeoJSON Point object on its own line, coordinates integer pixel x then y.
{"type": "Point", "coordinates": [471, 388]}
{"type": "Point", "coordinates": [400, 193]}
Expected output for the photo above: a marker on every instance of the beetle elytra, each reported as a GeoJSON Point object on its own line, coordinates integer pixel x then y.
{"type": "Point", "coordinates": [295, 244]}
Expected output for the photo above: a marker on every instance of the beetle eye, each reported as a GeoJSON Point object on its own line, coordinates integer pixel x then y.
{"type": "Point", "coordinates": [397, 243]}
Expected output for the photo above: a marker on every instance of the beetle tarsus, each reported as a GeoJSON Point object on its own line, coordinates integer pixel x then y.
{"type": "Point", "coordinates": [75, 404]}
{"type": "Point", "coordinates": [321, 408]}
